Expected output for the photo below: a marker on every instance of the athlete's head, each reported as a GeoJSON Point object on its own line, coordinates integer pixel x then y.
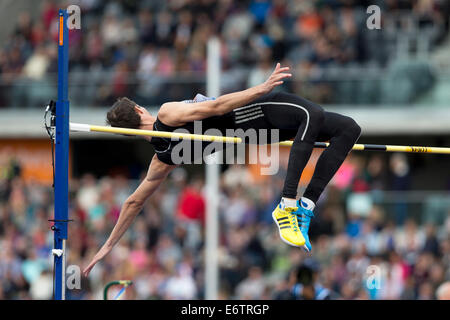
{"type": "Point", "coordinates": [126, 113]}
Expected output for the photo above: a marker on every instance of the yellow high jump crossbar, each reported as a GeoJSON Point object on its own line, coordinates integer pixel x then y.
{"type": "Point", "coordinates": [81, 127]}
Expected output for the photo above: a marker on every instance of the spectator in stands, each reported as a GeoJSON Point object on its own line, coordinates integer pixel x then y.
{"type": "Point", "coordinates": [325, 35]}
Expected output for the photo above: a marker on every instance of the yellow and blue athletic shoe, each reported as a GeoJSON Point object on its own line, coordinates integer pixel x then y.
{"type": "Point", "coordinates": [304, 218]}
{"type": "Point", "coordinates": [287, 222]}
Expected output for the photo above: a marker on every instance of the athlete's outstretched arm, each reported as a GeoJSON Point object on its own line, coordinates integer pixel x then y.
{"type": "Point", "coordinates": [178, 113]}
{"type": "Point", "coordinates": [156, 174]}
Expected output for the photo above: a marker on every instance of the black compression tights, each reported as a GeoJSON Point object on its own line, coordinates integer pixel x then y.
{"type": "Point", "coordinates": [342, 132]}
{"type": "Point", "coordinates": [312, 124]}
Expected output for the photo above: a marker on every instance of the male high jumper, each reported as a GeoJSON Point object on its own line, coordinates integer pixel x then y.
{"type": "Point", "coordinates": [254, 108]}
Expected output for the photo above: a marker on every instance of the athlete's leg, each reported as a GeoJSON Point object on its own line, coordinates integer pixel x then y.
{"type": "Point", "coordinates": [302, 120]}
{"type": "Point", "coordinates": [342, 132]}
{"type": "Point", "coordinates": [292, 112]}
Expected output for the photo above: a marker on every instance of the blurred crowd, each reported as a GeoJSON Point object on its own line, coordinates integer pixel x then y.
{"type": "Point", "coordinates": [361, 248]}
{"type": "Point", "coordinates": [152, 51]}
{"type": "Point", "coordinates": [155, 50]}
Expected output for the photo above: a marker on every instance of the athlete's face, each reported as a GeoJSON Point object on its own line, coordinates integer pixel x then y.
{"type": "Point", "coordinates": [146, 117]}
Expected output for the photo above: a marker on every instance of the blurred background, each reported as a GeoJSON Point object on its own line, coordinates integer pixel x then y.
{"type": "Point", "coordinates": [387, 210]}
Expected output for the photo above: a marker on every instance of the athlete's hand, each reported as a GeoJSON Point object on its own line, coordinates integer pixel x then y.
{"type": "Point", "coordinates": [276, 78]}
{"type": "Point", "coordinates": [99, 256]}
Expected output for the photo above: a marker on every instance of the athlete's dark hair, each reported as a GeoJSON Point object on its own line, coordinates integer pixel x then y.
{"type": "Point", "coordinates": [122, 114]}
